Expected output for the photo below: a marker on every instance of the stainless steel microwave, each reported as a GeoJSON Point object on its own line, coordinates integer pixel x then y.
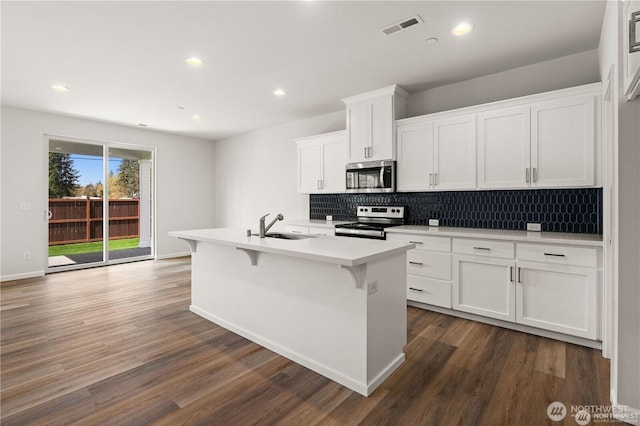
{"type": "Point", "coordinates": [371, 176]}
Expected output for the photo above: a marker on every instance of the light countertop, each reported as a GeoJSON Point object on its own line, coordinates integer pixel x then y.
{"type": "Point", "coordinates": [330, 249]}
{"type": "Point", "coordinates": [315, 222]}
{"type": "Point", "coordinates": [593, 240]}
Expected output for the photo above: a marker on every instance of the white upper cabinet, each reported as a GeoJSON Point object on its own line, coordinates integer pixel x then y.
{"type": "Point", "coordinates": [436, 154]}
{"type": "Point", "coordinates": [563, 142]}
{"type": "Point", "coordinates": [504, 148]}
{"type": "Point", "coordinates": [370, 123]}
{"type": "Point", "coordinates": [549, 140]}
{"type": "Point", "coordinates": [321, 161]}
{"type": "Point", "coordinates": [454, 149]}
{"type": "Point", "coordinates": [415, 156]}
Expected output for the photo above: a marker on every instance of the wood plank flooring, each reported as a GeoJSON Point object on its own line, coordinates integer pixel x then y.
{"type": "Point", "coordinates": [119, 346]}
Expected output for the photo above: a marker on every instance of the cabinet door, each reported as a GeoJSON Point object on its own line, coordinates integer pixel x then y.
{"type": "Point", "coordinates": [381, 129]}
{"type": "Point", "coordinates": [309, 167]}
{"type": "Point", "coordinates": [557, 297]}
{"type": "Point", "coordinates": [415, 156]}
{"type": "Point", "coordinates": [333, 162]}
{"type": "Point", "coordinates": [504, 148]}
{"type": "Point", "coordinates": [484, 286]}
{"type": "Point", "coordinates": [358, 130]}
{"type": "Point", "coordinates": [563, 142]}
{"type": "Point", "coordinates": [455, 153]}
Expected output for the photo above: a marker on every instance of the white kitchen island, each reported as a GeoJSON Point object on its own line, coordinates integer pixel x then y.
{"type": "Point", "coordinates": [335, 305]}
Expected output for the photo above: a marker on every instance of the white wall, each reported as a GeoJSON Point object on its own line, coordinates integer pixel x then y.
{"type": "Point", "coordinates": [184, 187]}
{"type": "Point", "coordinates": [626, 359]}
{"type": "Point", "coordinates": [255, 173]}
{"type": "Point", "coordinates": [568, 71]}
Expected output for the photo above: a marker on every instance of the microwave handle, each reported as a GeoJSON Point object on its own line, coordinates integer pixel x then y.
{"type": "Point", "coordinates": [382, 177]}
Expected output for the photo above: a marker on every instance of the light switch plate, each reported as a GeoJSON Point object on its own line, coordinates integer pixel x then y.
{"type": "Point", "coordinates": [434, 222]}
{"type": "Point", "coordinates": [537, 227]}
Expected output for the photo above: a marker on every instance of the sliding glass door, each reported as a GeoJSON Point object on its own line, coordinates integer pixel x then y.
{"type": "Point", "coordinates": [100, 204]}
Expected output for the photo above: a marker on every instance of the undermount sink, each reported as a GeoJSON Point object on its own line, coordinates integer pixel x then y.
{"type": "Point", "coordinates": [288, 236]}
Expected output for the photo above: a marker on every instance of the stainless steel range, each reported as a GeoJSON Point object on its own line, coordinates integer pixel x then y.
{"type": "Point", "coordinates": [372, 221]}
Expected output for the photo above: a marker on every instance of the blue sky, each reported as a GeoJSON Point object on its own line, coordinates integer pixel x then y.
{"type": "Point", "coordinates": [90, 168]}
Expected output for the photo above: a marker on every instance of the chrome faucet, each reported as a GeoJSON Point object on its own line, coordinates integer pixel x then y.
{"type": "Point", "coordinates": [265, 229]}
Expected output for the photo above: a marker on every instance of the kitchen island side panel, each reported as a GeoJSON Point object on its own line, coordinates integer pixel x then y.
{"type": "Point", "coordinates": [308, 311]}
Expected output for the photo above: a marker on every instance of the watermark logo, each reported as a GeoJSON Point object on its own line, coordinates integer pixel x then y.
{"type": "Point", "coordinates": [592, 414]}
{"type": "Point", "coordinates": [583, 417]}
{"type": "Point", "coordinates": [557, 411]}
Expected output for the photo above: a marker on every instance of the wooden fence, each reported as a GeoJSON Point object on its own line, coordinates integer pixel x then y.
{"type": "Point", "coordinates": [79, 220]}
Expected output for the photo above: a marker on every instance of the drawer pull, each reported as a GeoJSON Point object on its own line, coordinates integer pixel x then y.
{"type": "Point", "coordinates": [416, 289]}
{"type": "Point", "coordinates": [416, 263]}
{"type": "Point", "coordinates": [554, 254]}
{"type": "Point", "coordinates": [519, 276]}
{"type": "Point", "coordinates": [416, 242]}
{"type": "Point", "coordinates": [482, 248]}
{"type": "Point", "coordinates": [511, 273]}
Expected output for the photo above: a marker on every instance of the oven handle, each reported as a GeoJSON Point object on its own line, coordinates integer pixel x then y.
{"type": "Point", "coordinates": [382, 177]}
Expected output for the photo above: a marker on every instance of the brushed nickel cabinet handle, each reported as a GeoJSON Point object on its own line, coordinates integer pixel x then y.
{"type": "Point", "coordinates": [416, 242]}
{"type": "Point", "coordinates": [519, 275]}
{"type": "Point", "coordinates": [554, 254]}
{"type": "Point", "coordinates": [416, 263]}
{"type": "Point", "coordinates": [482, 248]}
{"type": "Point", "coordinates": [510, 273]}
{"type": "Point", "coordinates": [534, 174]}
{"type": "Point", "coordinates": [526, 175]}
{"type": "Point", "coordinates": [416, 289]}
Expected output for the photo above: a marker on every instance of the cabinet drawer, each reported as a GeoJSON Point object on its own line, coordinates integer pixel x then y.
{"type": "Point", "coordinates": [427, 290]}
{"type": "Point", "coordinates": [429, 264]}
{"type": "Point", "coordinates": [423, 242]}
{"type": "Point", "coordinates": [484, 248]}
{"type": "Point", "coordinates": [321, 230]}
{"type": "Point", "coordinates": [562, 255]}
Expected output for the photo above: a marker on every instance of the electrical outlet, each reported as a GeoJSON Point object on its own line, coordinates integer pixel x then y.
{"type": "Point", "coordinates": [434, 222]}
{"type": "Point", "coordinates": [537, 227]}
{"type": "Point", "coordinates": [373, 287]}
{"type": "Point", "coordinates": [26, 256]}
{"type": "Point", "coordinates": [329, 218]}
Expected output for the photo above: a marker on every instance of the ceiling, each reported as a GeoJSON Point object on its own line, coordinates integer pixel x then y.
{"type": "Point", "coordinates": [124, 62]}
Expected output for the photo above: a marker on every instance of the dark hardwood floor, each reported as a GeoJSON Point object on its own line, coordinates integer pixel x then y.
{"type": "Point", "coordinates": [119, 346]}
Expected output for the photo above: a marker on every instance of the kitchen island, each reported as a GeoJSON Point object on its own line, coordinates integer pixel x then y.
{"type": "Point", "coordinates": [335, 305]}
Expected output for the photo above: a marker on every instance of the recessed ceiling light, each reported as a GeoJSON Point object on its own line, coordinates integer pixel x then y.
{"type": "Point", "coordinates": [194, 62]}
{"type": "Point", "coordinates": [196, 117]}
{"type": "Point", "coordinates": [60, 88]}
{"type": "Point", "coordinates": [432, 40]}
{"type": "Point", "coordinates": [462, 28]}
{"type": "Point", "coordinates": [279, 92]}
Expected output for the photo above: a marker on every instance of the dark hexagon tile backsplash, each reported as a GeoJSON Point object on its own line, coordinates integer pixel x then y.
{"type": "Point", "coordinates": [558, 210]}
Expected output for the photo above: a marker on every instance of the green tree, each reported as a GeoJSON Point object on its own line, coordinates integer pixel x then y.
{"type": "Point", "coordinates": [128, 178]}
{"type": "Point", "coordinates": [63, 177]}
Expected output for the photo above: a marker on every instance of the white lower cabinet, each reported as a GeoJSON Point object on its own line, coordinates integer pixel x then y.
{"type": "Point", "coordinates": [551, 287]}
{"type": "Point", "coordinates": [484, 286]}
{"type": "Point", "coordinates": [560, 298]}
{"type": "Point", "coordinates": [428, 268]}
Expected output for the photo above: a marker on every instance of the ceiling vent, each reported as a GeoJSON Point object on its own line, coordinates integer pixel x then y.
{"type": "Point", "coordinates": [402, 25]}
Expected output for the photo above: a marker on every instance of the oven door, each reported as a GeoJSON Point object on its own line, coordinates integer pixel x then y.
{"type": "Point", "coordinates": [373, 176]}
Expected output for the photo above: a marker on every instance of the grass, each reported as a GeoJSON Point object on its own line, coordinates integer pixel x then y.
{"type": "Point", "coordinates": [80, 248]}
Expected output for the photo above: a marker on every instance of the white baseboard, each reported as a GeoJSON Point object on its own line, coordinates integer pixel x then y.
{"type": "Point", "coordinates": [23, 276]}
{"type": "Point", "coordinates": [337, 376]}
{"type": "Point", "coordinates": [173, 255]}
